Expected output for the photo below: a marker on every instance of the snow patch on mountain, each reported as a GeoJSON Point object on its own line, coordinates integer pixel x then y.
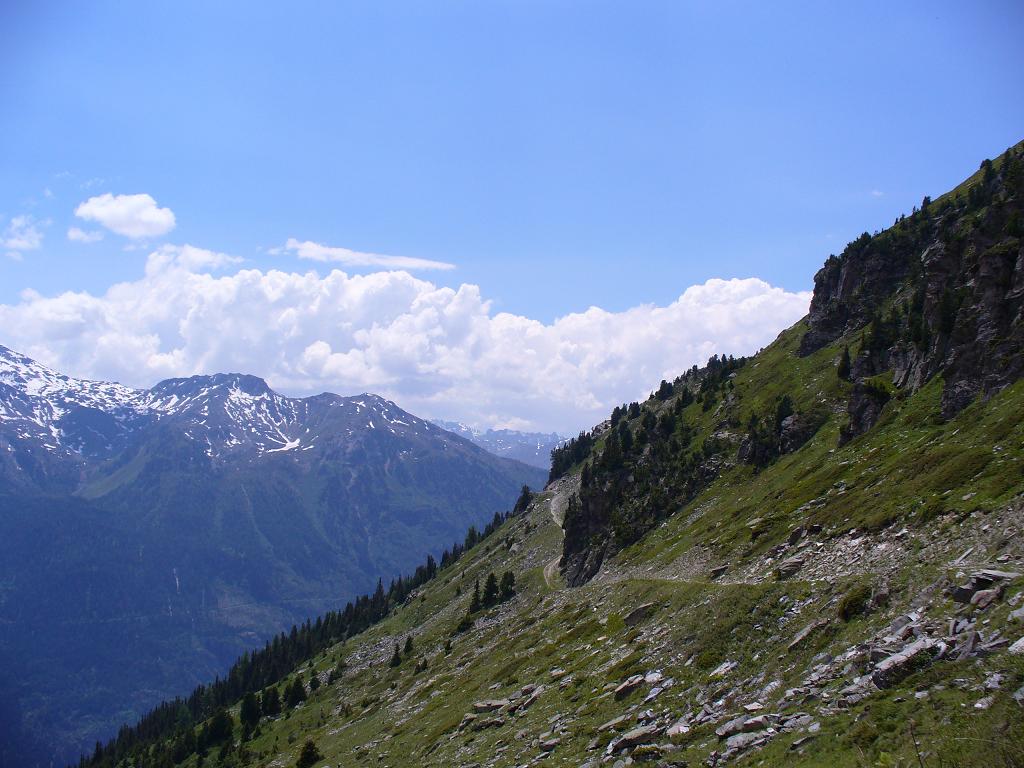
{"type": "Point", "coordinates": [225, 412]}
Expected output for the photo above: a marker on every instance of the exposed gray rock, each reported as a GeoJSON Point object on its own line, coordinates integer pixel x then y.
{"type": "Point", "coordinates": [489, 705]}
{"type": "Point", "coordinates": [804, 633]}
{"type": "Point", "coordinates": [894, 668]}
{"type": "Point", "coordinates": [635, 737]}
{"type": "Point", "coordinates": [727, 729]}
{"type": "Point", "coordinates": [628, 686]}
{"type": "Point", "coordinates": [614, 723]}
{"type": "Point", "coordinates": [789, 567]}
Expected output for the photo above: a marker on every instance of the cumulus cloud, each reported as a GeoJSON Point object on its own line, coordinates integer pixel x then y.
{"type": "Point", "coordinates": [82, 236]}
{"type": "Point", "coordinates": [22, 233]}
{"type": "Point", "coordinates": [437, 351]}
{"type": "Point", "coordinates": [134, 216]}
{"type": "Point", "coordinates": [317, 252]}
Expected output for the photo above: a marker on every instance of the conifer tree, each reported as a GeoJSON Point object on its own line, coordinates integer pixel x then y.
{"type": "Point", "coordinates": [491, 590]}
{"type": "Point", "coordinates": [271, 704]}
{"type": "Point", "coordinates": [295, 694]}
{"type": "Point", "coordinates": [408, 645]}
{"type": "Point", "coordinates": [309, 756]}
{"type": "Point", "coordinates": [396, 657]}
{"type": "Point", "coordinates": [474, 604]}
{"type": "Point", "coordinates": [249, 712]}
{"type": "Point", "coordinates": [508, 585]}
{"type": "Point", "coordinates": [843, 371]}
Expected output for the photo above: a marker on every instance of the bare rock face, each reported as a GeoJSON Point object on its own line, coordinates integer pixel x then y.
{"type": "Point", "coordinates": [864, 409]}
{"type": "Point", "coordinates": [954, 271]}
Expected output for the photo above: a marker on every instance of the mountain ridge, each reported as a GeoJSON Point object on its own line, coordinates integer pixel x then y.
{"type": "Point", "coordinates": [749, 567]}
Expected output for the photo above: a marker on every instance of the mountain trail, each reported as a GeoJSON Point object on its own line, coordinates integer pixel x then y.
{"type": "Point", "coordinates": [558, 504]}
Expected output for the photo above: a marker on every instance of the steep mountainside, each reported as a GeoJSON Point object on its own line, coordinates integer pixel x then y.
{"type": "Point", "coordinates": [533, 448]}
{"type": "Point", "coordinates": [937, 297]}
{"type": "Point", "coordinates": [147, 537]}
{"type": "Point", "coordinates": [758, 574]}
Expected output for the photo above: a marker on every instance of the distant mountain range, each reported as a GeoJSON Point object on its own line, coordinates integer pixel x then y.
{"type": "Point", "coordinates": [147, 537]}
{"type": "Point", "coordinates": [533, 448]}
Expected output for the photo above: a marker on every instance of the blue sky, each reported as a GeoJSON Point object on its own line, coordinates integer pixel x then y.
{"type": "Point", "coordinates": [559, 154]}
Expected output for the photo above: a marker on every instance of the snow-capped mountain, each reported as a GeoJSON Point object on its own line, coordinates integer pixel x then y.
{"type": "Point", "coordinates": [533, 448]}
{"type": "Point", "coordinates": [228, 414]}
{"type": "Point", "coordinates": [40, 404]}
{"type": "Point", "coordinates": [194, 519]}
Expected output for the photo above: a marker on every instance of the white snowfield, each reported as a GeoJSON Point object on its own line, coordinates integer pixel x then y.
{"type": "Point", "coordinates": [228, 413]}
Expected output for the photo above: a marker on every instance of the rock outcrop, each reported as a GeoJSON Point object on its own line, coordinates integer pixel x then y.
{"type": "Point", "coordinates": [939, 293]}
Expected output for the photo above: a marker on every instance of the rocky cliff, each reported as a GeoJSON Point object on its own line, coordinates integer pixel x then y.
{"type": "Point", "coordinates": [940, 293]}
{"type": "Point", "coordinates": [937, 296]}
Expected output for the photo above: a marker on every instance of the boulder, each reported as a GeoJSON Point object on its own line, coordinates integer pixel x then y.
{"type": "Point", "coordinates": [638, 614]}
{"type": "Point", "coordinates": [614, 724]}
{"type": "Point", "coordinates": [894, 668]}
{"type": "Point", "coordinates": [727, 729]}
{"type": "Point", "coordinates": [983, 598]}
{"type": "Point", "coordinates": [628, 686]}
{"type": "Point", "coordinates": [489, 705]}
{"type": "Point", "coordinates": [982, 580]}
{"type": "Point", "coordinates": [789, 567]}
{"type": "Point", "coordinates": [487, 722]}
{"type": "Point", "coordinates": [743, 741]}
{"type": "Point", "coordinates": [723, 669]}
{"type": "Point", "coordinates": [637, 736]}
{"type": "Point", "coordinates": [805, 632]}
{"type": "Point", "coordinates": [680, 728]}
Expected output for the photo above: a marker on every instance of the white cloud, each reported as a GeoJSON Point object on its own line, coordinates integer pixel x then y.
{"type": "Point", "coordinates": [83, 236]}
{"type": "Point", "coordinates": [317, 252]}
{"type": "Point", "coordinates": [22, 234]}
{"type": "Point", "coordinates": [134, 216]}
{"type": "Point", "coordinates": [437, 351]}
{"type": "Point", "coordinates": [877, 193]}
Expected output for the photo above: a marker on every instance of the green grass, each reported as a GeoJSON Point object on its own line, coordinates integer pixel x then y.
{"type": "Point", "coordinates": [912, 469]}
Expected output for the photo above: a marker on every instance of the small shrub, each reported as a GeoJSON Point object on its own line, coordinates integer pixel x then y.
{"type": "Point", "coordinates": [855, 602]}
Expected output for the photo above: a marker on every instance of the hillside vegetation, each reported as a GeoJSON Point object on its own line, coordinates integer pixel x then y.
{"type": "Point", "coordinates": [812, 556]}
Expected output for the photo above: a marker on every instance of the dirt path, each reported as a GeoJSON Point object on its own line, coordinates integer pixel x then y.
{"type": "Point", "coordinates": [557, 506]}
{"type": "Point", "coordinates": [551, 575]}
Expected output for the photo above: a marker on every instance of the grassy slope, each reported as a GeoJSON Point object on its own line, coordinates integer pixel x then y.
{"type": "Point", "coordinates": [911, 469]}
